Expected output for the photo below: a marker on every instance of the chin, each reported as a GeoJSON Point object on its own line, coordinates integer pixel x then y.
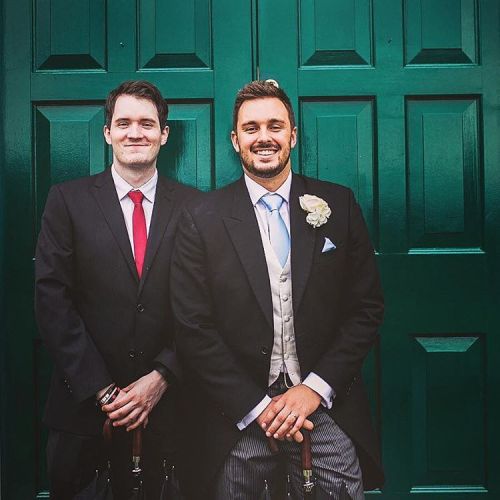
{"type": "Point", "coordinates": [265, 172]}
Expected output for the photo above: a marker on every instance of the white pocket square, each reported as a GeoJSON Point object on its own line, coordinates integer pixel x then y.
{"type": "Point", "coordinates": [329, 245]}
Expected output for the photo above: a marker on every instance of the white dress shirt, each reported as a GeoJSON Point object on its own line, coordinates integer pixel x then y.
{"type": "Point", "coordinates": [148, 189]}
{"type": "Point", "coordinates": [314, 381]}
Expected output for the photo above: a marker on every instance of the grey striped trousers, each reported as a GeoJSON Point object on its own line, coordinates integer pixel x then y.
{"type": "Point", "coordinates": [251, 464]}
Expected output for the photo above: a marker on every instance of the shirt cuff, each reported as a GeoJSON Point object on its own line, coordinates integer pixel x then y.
{"type": "Point", "coordinates": [325, 390]}
{"type": "Point", "coordinates": [253, 414]}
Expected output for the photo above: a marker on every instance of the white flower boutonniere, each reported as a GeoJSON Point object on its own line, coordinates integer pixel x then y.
{"type": "Point", "coordinates": [317, 209]}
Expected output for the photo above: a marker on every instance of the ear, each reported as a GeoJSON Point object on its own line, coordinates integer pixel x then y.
{"type": "Point", "coordinates": [107, 135]}
{"type": "Point", "coordinates": [234, 140]}
{"type": "Point", "coordinates": [293, 137]}
{"type": "Point", "coordinates": [164, 135]}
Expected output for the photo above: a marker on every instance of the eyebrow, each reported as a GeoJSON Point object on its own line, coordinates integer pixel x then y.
{"type": "Point", "coordinates": [272, 120]}
{"type": "Point", "coordinates": [126, 119]}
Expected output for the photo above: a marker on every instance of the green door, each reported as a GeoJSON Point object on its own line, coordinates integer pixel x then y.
{"type": "Point", "coordinates": [397, 99]}
{"type": "Point", "coordinates": [62, 57]}
{"type": "Point", "coordinates": [400, 101]}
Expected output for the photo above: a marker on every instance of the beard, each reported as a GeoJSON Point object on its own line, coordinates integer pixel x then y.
{"type": "Point", "coordinates": [269, 171]}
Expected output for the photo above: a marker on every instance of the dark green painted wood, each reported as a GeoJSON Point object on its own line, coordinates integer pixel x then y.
{"type": "Point", "coordinates": [441, 31]}
{"type": "Point", "coordinates": [399, 100]}
{"type": "Point", "coordinates": [434, 191]}
{"type": "Point", "coordinates": [18, 329]}
{"type": "Point", "coordinates": [70, 35]}
{"type": "Point", "coordinates": [174, 34]}
{"type": "Point", "coordinates": [444, 174]}
{"type": "Point", "coordinates": [3, 347]}
{"type": "Point", "coordinates": [187, 155]}
{"type": "Point", "coordinates": [338, 144]}
{"type": "Point", "coordinates": [234, 63]}
{"type": "Point", "coordinates": [348, 30]}
{"type": "Point", "coordinates": [444, 369]}
{"type": "Point", "coordinates": [55, 103]}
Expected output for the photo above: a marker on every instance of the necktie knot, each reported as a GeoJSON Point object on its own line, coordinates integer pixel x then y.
{"type": "Point", "coordinates": [136, 197]}
{"type": "Point", "coordinates": [272, 201]}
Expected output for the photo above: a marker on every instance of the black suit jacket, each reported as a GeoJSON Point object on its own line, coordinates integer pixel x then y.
{"type": "Point", "coordinates": [99, 321]}
{"type": "Point", "coordinates": [222, 302]}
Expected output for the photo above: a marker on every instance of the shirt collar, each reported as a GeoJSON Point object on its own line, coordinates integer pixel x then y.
{"type": "Point", "coordinates": [256, 191]}
{"type": "Point", "coordinates": [148, 189]}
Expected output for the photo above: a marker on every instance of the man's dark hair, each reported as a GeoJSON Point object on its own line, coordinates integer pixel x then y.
{"type": "Point", "coordinates": [142, 90]}
{"type": "Point", "coordinates": [259, 89]}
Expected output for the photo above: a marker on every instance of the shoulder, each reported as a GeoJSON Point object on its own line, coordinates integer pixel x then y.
{"type": "Point", "coordinates": [217, 201]}
{"type": "Point", "coordinates": [76, 185]}
{"type": "Point", "coordinates": [181, 193]}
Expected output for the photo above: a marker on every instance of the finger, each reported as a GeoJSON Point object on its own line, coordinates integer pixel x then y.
{"type": "Point", "coordinates": [308, 425]}
{"type": "Point", "coordinates": [299, 422]}
{"type": "Point", "coordinates": [121, 400]}
{"type": "Point", "coordinates": [138, 422]}
{"type": "Point", "coordinates": [122, 412]}
{"type": "Point", "coordinates": [278, 421]}
{"type": "Point", "coordinates": [271, 414]}
{"type": "Point", "coordinates": [129, 419]}
{"type": "Point", "coordinates": [286, 426]}
{"type": "Point", "coordinates": [298, 437]}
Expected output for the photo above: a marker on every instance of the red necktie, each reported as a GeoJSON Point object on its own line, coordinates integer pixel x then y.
{"type": "Point", "coordinates": [139, 230]}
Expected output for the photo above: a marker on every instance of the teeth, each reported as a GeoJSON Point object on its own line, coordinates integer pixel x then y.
{"type": "Point", "coordinates": [266, 152]}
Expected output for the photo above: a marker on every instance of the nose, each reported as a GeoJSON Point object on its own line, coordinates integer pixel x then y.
{"type": "Point", "coordinates": [263, 135]}
{"type": "Point", "coordinates": [134, 131]}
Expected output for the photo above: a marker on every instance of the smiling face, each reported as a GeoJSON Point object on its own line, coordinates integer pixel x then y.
{"type": "Point", "coordinates": [135, 134]}
{"type": "Point", "coordinates": [264, 138]}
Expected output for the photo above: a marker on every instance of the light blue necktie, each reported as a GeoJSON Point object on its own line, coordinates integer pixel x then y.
{"type": "Point", "coordinates": [278, 233]}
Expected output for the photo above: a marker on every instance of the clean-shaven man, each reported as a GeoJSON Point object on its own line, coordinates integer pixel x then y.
{"type": "Point", "coordinates": [102, 303]}
{"type": "Point", "coordinates": [277, 297]}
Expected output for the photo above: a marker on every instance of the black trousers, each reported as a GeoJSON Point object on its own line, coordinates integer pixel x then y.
{"type": "Point", "coordinates": [72, 460]}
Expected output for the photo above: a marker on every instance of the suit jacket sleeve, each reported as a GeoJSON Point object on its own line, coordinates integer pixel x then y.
{"type": "Point", "coordinates": [361, 309]}
{"type": "Point", "coordinates": [61, 327]}
{"type": "Point", "coordinates": [198, 340]}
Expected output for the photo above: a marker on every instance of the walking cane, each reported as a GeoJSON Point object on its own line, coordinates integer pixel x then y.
{"type": "Point", "coordinates": [307, 473]}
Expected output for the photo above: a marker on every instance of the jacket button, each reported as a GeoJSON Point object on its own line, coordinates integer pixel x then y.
{"type": "Point", "coordinates": [140, 308]}
{"type": "Point", "coordinates": [131, 354]}
{"type": "Point", "coordinates": [264, 350]}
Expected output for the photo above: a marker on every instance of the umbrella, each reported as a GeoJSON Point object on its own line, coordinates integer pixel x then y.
{"type": "Point", "coordinates": [170, 489]}
{"type": "Point", "coordinates": [138, 490]}
{"type": "Point", "coordinates": [266, 494]}
{"type": "Point", "coordinates": [288, 491]}
{"type": "Point", "coordinates": [344, 495]}
{"type": "Point", "coordinates": [100, 486]}
{"type": "Point", "coordinates": [98, 489]}
{"type": "Point", "coordinates": [311, 489]}
{"type": "Point", "coordinates": [307, 473]}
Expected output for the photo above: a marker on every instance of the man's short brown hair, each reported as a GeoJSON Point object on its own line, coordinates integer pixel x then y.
{"type": "Point", "coordinates": [142, 90]}
{"type": "Point", "coordinates": [260, 89]}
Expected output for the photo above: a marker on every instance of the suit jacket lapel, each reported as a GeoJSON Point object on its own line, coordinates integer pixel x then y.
{"type": "Point", "coordinates": [105, 193]}
{"type": "Point", "coordinates": [244, 232]}
{"type": "Point", "coordinates": [303, 237]}
{"type": "Point", "coordinates": [162, 213]}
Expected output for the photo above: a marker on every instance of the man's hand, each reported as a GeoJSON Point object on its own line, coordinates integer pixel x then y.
{"type": "Point", "coordinates": [134, 403]}
{"type": "Point", "coordinates": [284, 417]}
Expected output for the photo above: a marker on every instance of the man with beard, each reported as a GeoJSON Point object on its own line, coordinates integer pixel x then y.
{"type": "Point", "coordinates": [102, 303]}
{"type": "Point", "coordinates": [278, 301]}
